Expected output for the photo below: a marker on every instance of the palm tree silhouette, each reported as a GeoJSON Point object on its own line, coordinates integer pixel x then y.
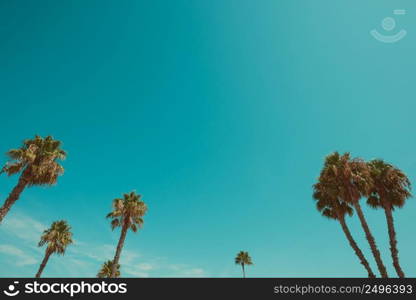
{"type": "Point", "coordinates": [106, 269]}
{"type": "Point", "coordinates": [390, 189]}
{"type": "Point", "coordinates": [36, 160]}
{"type": "Point", "coordinates": [127, 213]}
{"type": "Point", "coordinates": [243, 259]}
{"type": "Point", "coordinates": [57, 238]}
{"type": "Point", "coordinates": [330, 207]}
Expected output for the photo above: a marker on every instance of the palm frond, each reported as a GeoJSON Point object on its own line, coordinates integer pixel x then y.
{"type": "Point", "coordinates": [57, 237]}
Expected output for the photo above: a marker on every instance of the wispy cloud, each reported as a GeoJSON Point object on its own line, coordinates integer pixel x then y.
{"type": "Point", "coordinates": [182, 270]}
{"type": "Point", "coordinates": [21, 258]}
{"type": "Point", "coordinates": [102, 253]}
{"type": "Point", "coordinates": [83, 258]}
{"type": "Point", "coordinates": [145, 267]}
{"type": "Point", "coordinates": [132, 271]}
{"type": "Point", "coordinates": [162, 268]}
{"type": "Point", "coordinates": [23, 227]}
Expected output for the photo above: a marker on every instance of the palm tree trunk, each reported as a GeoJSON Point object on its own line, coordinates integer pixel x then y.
{"type": "Point", "coordinates": [118, 250]}
{"type": "Point", "coordinates": [371, 240]}
{"type": "Point", "coordinates": [354, 246]}
{"type": "Point", "coordinates": [14, 195]}
{"type": "Point", "coordinates": [43, 264]}
{"type": "Point", "coordinates": [244, 272]}
{"type": "Point", "coordinates": [393, 241]}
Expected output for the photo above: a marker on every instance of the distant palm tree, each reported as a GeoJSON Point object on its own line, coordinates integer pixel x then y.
{"type": "Point", "coordinates": [391, 188]}
{"type": "Point", "coordinates": [330, 207]}
{"type": "Point", "coordinates": [106, 268]}
{"type": "Point", "coordinates": [57, 238]}
{"type": "Point", "coordinates": [243, 259]}
{"type": "Point", "coordinates": [127, 213]}
{"type": "Point", "coordinates": [351, 180]}
{"type": "Point", "coordinates": [36, 160]}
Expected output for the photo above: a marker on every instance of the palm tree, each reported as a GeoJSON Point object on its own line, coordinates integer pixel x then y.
{"type": "Point", "coordinates": [391, 188]}
{"type": "Point", "coordinates": [57, 238]}
{"type": "Point", "coordinates": [36, 160]}
{"type": "Point", "coordinates": [330, 207]}
{"type": "Point", "coordinates": [243, 259]}
{"type": "Point", "coordinates": [106, 268]}
{"type": "Point", "coordinates": [127, 213]}
{"type": "Point", "coordinates": [351, 180]}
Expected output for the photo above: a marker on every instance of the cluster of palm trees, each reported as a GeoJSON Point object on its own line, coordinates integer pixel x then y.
{"type": "Point", "coordinates": [37, 162]}
{"type": "Point", "coordinates": [344, 181]}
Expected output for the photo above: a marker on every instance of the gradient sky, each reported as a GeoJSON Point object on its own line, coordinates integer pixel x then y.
{"type": "Point", "coordinates": [220, 114]}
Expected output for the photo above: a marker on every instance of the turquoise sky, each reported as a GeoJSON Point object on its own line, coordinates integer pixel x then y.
{"type": "Point", "coordinates": [220, 114]}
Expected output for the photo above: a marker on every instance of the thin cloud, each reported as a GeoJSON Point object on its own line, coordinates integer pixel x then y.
{"type": "Point", "coordinates": [21, 258]}
{"type": "Point", "coordinates": [145, 266]}
{"type": "Point", "coordinates": [84, 258]}
{"type": "Point", "coordinates": [133, 272]}
{"type": "Point", "coordinates": [182, 270]}
{"type": "Point", "coordinates": [23, 227]}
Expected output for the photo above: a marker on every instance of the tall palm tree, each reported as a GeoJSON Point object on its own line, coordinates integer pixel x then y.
{"type": "Point", "coordinates": [37, 162]}
{"type": "Point", "coordinates": [330, 207]}
{"type": "Point", "coordinates": [106, 269]}
{"type": "Point", "coordinates": [243, 259]}
{"type": "Point", "coordinates": [391, 188]}
{"type": "Point", "coordinates": [351, 179]}
{"type": "Point", "coordinates": [57, 238]}
{"type": "Point", "coordinates": [127, 213]}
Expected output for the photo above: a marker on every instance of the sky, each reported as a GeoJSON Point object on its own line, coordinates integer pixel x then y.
{"type": "Point", "coordinates": [220, 114]}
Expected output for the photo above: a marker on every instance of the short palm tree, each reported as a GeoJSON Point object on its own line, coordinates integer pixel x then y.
{"type": "Point", "coordinates": [57, 238]}
{"type": "Point", "coordinates": [330, 207]}
{"type": "Point", "coordinates": [351, 180]}
{"type": "Point", "coordinates": [106, 268]}
{"type": "Point", "coordinates": [391, 188]}
{"type": "Point", "coordinates": [128, 214]}
{"type": "Point", "coordinates": [37, 162]}
{"type": "Point", "coordinates": [243, 259]}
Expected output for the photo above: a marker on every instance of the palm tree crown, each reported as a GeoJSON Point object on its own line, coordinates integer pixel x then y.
{"type": "Point", "coordinates": [105, 271]}
{"type": "Point", "coordinates": [57, 237]}
{"type": "Point", "coordinates": [243, 258]}
{"type": "Point", "coordinates": [391, 187]}
{"type": "Point", "coordinates": [328, 205]}
{"type": "Point", "coordinates": [37, 158]}
{"type": "Point", "coordinates": [128, 212]}
{"type": "Point", "coordinates": [348, 177]}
